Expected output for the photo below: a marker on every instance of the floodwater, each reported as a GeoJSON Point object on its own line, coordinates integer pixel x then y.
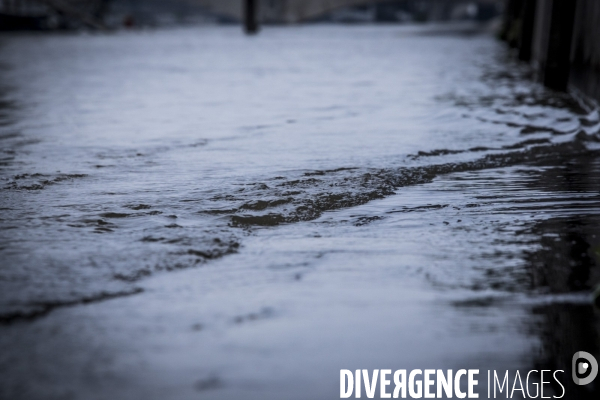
{"type": "Point", "coordinates": [191, 213]}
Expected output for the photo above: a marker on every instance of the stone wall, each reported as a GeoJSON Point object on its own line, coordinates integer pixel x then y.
{"type": "Point", "coordinates": [560, 38]}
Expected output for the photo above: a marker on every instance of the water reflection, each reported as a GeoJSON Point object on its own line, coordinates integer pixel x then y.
{"type": "Point", "coordinates": [561, 267]}
{"type": "Point", "coordinates": [567, 259]}
{"type": "Point", "coordinates": [563, 330]}
{"type": "Point", "coordinates": [567, 262]}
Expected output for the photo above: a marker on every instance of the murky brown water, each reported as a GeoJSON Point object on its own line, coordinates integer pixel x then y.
{"type": "Point", "coordinates": [191, 213]}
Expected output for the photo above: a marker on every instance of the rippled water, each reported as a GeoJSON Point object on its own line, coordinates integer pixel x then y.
{"type": "Point", "coordinates": [191, 212]}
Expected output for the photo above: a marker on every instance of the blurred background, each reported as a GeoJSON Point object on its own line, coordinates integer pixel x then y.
{"type": "Point", "coordinates": [72, 14]}
{"type": "Point", "coordinates": [546, 32]}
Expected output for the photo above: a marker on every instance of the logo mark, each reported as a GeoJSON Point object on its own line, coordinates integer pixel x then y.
{"type": "Point", "coordinates": [585, 368]}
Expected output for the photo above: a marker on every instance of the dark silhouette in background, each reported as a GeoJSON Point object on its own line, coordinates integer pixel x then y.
{"type": "Point", "coordinates": [96, 14]}
{"type": "Point", "coordinates": [560, 40]}
{"type": "Point", "coordinates": [250, 22]}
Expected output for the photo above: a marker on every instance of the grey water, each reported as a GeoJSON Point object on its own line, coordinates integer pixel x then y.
{"type": "Point", "coordinates": [191, 213]}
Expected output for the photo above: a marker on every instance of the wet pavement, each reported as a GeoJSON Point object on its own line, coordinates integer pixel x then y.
{"type": "Point", "coordinates": [191, 213]}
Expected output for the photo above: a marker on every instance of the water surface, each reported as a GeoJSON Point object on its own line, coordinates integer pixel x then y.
{"type": "Point", "coordinates": [192, 213]}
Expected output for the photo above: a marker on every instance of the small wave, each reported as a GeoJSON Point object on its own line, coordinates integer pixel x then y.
{"type": "Point", "coordinates": [38, 181]}
{"type": "Point", "coordinates": [40, 309]}
{"type": "Point", "coordinates": [351, 187]}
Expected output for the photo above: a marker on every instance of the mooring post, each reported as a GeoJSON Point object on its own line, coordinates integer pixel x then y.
{"type": "Point", "coordinates": [250, 16]}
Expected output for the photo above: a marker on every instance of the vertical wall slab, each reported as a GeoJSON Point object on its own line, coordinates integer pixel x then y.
{"type": "Point", "coordinates": [526, 31]}
{"type": "Point", "coordinates": [558, 58]}
{"type": "Point", "coordinates": [551, 45]}
{"type": "Point", "coordinates": [541, 28]}
{"type": "Point", "coordinates": [585, 49]}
